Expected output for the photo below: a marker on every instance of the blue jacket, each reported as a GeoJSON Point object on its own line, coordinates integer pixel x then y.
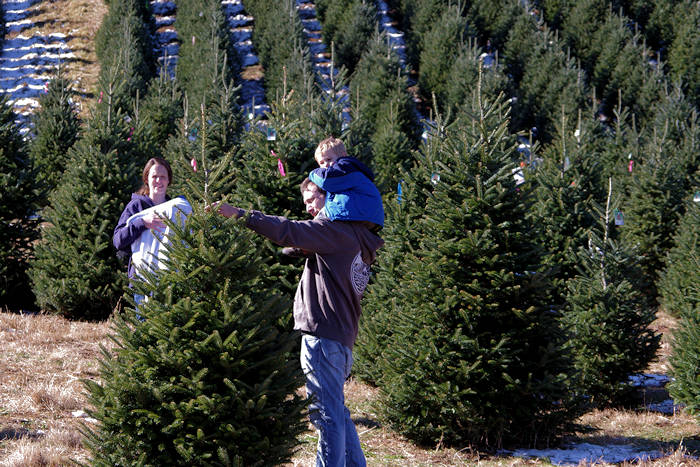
{"type": "Point", "coordinates": [125, 235]}
{"type": "Point", "coordinates": [352, 195]}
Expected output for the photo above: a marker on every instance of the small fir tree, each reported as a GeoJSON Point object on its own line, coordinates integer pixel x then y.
{"type": "Point", "coordinates": [685, 355]}
{"type": "Point", "coordinates": [75, 271]}
{"type": "Point", "coordinates": [206, 378]}
{"type": "Point", "coordinates": [678, 281]}
{"type": "Point", "coordinates": [606, 316]}
{"type": "Point", "coordinates": [18, 202]}
{"type": "Point", "coordinates": [125, 42]}
{"type": "Point", "coordinates": [565, 182]}
{"type": "Point", "coordinates": [438, 52]}
{"type": "Point", "coordinates": [56, 128]}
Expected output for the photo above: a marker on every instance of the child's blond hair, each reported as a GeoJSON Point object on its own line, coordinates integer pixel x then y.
{"type": "Point", "coordinates": [332, 147]}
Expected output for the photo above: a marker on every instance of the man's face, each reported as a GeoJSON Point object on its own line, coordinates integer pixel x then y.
{"type": "Point", "coordinates": [313, 200]}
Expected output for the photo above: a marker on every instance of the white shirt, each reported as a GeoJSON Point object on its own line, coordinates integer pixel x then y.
{"type": "Point", "coordinates": [149, 250]}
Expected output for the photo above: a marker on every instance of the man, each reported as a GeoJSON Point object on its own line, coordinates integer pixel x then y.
{"type": "Point", "coordinates": [326, 310]}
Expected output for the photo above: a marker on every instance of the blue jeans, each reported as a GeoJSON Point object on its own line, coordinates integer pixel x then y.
{"type": "Point", "coordinates": [137, 301]}
{"type": "Point", "coordinates": [326, 364]}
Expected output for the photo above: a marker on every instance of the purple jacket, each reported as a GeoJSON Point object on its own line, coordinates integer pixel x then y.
{"type": "Point", "coordinates": [327, 301]}
{"type": "Point", "coordinates": [124, 236]}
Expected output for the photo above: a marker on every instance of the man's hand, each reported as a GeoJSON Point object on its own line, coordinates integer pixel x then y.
{"type": "Point", "coordinates": [225, 209]}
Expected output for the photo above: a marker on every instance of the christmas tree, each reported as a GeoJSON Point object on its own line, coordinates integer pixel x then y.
{"type": "Point", "coordinates": [473, 355]}
{"type": "Point", "coordinates": [75, 271]}
{"type": "Point", "coordinates": [18, 203]}
{"type": "Point", "coordinates": [125, 42]}
{"type": "Point", "coordinates": [438, 52]}
{"type": "Point", "coordinates": [56, 127]}
{"type": "Point", "coordinates": [207, 378]}
{"type": "Point", "coordinates": [606, 315]}
{"type": "Point", "coordinates": [678, 279]}
{"type": "Point", "coordinates": [681, 297]}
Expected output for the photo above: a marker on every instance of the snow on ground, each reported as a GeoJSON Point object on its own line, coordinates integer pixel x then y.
{"type": "Point", "coordinates": [574, 454]}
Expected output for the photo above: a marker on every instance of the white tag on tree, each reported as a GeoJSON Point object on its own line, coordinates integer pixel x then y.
{"type": "Point", "coordinates": [271, 134]}
{"type": "Point", "coordinates": [696, 198]}
{"type": "Point", "coordinates": [435, 178]}
{"type": "Point", "coordinates": [619, 218]}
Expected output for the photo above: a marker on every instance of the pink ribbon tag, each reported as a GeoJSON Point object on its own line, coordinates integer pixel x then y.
{"type": "Point", "coordinates": [46, 87]}
{"type": "Point", "coordinates": [131, 133]}
{"type": "Point", "coordinates": [629, 167]}
{"type": "Point", "coordinates": [193, 162]}
{"type": "Point", "coordinates": [99, 101]}
{"type": "Point", "coordinates": [280, 167]}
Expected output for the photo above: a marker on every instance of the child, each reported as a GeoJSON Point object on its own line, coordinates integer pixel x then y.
{"type": "Point", "coordinates": [352, 195]}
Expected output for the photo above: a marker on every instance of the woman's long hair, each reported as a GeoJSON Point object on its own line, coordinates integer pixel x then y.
{"type": "Point", "coordinates": [144, 176]}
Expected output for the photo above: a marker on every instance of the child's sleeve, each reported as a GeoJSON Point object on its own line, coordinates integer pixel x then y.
{"type": "Point", "coordinates": [333, 180]}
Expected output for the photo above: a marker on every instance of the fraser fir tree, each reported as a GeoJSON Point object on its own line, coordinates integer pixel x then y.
{"type": "Point", "coordinates": [681, 297]}
{"type": "Point", "coordinates": [56, 127]}
{"type": "Point", "coordinates": [161, 110]}
{"type": "Point", "coordinates": [18, 202]}
{"type": "Point", "coordinates": [606, 315]}
{"type": "Point", "coordinates": [565, 183]}
{"type": "Point", "coordinates": [206, 378]}
{"type": "Point", "coordinates": [438, 52]}
{"type": "Point", "coordinates": [684, 51]}
{"type": "Point", "coordinates": [384, 114]}
{"type": "Point", "coordinates": [474, 353]}
{"type": "Point", "coordinates": [206, 58]}
{"type": "Point", "coordinates": [465, 73]}
{"type": "Point", "coordinates": [75, 271]}
{"type": "Point", "coordinates": [349, 25]}
{"type": "Point", "coordinates": [287, 64]}
{"type": "Point", "coordinates": [125, 42]}
{"type": "Point", "coordinates": [678, 280]}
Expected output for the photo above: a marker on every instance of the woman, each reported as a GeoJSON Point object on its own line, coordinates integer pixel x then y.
{"type": "Point", "coordinates": [157, 176]}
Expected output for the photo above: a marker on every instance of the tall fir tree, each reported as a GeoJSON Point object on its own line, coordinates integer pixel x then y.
{"type": "Point", "coordinates": [681, 297]}
{"type": "Point", "coordinates": [207, 61]}
{"type": "Point", "coordinates": [125, 41]}
{"type": "Point", "coordinates": [349, 25]}
{"type": "Point", "coordinates": [552, 81]}
{"type": "Point", "coordinates": [19, 201]}
{"type": "Point", "coordinates": [384, 113]}
{"type": "Point", "coordinates": [206, 378]}
{"type": "Point", "coordinates": [684, 51]}
{"type": "Point", "coordinates": [56, 129]}
{"type": "Point", "coordinates": [565, 183]}
{"type": "Point", "coordinates": [438, 52]}
{"type": "Point", "coordinates": [606, 316]}
{"type": "Point", "coordinates": [76, 272]}
{"type": "Point", "coordinates": [473, 355]}
{"type": "Point", "coordinates": [677, 281]}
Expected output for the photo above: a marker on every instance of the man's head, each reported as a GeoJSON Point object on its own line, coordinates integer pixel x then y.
{"type": "Point", "coordinates": [314, 197]}
{"type": "Point", "coordinates": [328, 151]}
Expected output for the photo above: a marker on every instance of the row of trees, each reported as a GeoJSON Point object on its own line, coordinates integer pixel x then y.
{"type": "Point", "coordinates": [499, 311]}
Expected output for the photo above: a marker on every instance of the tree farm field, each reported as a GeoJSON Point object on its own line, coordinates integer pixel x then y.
{"type": "Point", "coordinates": [43, 404]}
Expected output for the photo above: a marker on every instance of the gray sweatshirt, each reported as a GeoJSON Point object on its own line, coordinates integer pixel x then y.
{"type": "Point", "coordinates": [327, 302]}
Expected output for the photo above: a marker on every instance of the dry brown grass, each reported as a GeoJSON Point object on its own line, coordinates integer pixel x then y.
{"type": "Point", "coordinates": [43, 360]}
{"type": "Point", "coordinates": [45, 357]}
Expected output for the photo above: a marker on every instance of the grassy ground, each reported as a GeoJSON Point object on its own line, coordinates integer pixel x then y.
{"type": "Point", "coordinates": [44, 358]}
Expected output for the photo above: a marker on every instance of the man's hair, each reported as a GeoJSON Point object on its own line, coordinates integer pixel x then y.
{"type": "Point", "coordinates": [305, 184]}
{"type": "Point", "coordinates": [331, 146]}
